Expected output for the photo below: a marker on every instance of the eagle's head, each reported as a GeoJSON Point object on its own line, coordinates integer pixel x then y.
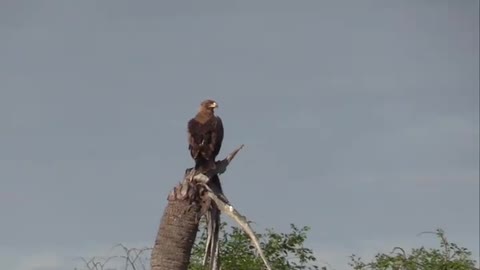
{"type": "Point", "coordinates": [208, 105]}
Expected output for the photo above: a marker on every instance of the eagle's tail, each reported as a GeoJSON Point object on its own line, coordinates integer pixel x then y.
{"type": "Point", "coordinates": [204, 160]}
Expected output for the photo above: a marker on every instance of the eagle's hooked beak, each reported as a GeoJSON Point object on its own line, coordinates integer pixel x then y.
{"type": "Point", "coordinates": [213, 105]}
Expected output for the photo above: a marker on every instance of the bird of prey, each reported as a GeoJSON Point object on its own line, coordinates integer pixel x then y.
{"type": "Point", "coordinates": [205, 136]}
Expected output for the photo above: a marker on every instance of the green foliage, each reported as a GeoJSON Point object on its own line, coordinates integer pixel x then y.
{"type": "Point", "coordinates": [448, 257]}
{"type": "Point", "coordinates": [285, 251]}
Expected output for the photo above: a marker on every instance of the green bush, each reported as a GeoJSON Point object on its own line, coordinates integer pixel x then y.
{"type": "Point", "coordinates": [285, 251]}
{"type": "Point", "coordinates": [448, 257]}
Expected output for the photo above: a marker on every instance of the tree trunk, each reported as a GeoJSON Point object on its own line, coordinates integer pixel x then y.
{"type": "Point", "coordinates": [176, 236]}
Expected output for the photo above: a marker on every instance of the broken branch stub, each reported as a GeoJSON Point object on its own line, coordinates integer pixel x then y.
{"type": "Point", "coordinates": [185, 189]}
{"type": "Point", "coordinates": [220, 168]}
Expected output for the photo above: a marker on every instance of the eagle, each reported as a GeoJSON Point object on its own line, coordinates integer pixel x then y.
{"type": "Point", "coordinates": [205, 136]}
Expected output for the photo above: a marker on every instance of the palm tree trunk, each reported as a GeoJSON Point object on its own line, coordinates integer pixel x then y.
{"type": "Point", "coordinates": [176, 236]}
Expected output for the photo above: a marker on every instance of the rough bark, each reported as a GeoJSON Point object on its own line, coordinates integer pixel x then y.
{"type": "Point", "coordinates": [176, 235]}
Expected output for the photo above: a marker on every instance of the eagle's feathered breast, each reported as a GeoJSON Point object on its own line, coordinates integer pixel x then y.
{"type": "Point", "coordinates": [202, 132]}
{"type": "Point", "coordinates": [205, 138]}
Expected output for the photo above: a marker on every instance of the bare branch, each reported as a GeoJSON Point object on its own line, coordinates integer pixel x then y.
{"type": "Point", "coordinates": [212, 247]}
{"type": "Point", "coordinates": [401, 249]}
{"type": "Point", "coordinates": [223, 205]}
{"type": "Point", "coordinates": [241, 220]}
{"type": "Point", "coordinates": [213, 215]}
{"type": "Point", "coordinates": [220, 168]}
{"type": "Point", "coordinates": [426, 232]}
{"type": "Point", "coordinates": [131, 261]}
{"type": "Point", "coordinates": [222, 165]}
{"type": "Point", "coordinates": [208, 243]}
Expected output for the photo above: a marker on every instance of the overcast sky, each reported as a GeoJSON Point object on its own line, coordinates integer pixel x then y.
{"type": "Point", "coordinates": [360, 120]}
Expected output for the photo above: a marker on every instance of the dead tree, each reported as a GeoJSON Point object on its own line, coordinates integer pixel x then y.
{"type": "Point", "coordinates": [191, 199]}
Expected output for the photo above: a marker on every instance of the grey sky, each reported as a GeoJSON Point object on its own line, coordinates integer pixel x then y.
{"type": "Point", "coordinates": [363, 113]}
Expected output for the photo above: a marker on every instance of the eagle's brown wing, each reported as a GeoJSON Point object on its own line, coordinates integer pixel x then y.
{"type": "Point", "coordinates": [194, 138]}
{"type": "Point", "coordinates": [205, 140]}
{"type": "Point", "coordinates": [217, 137]}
